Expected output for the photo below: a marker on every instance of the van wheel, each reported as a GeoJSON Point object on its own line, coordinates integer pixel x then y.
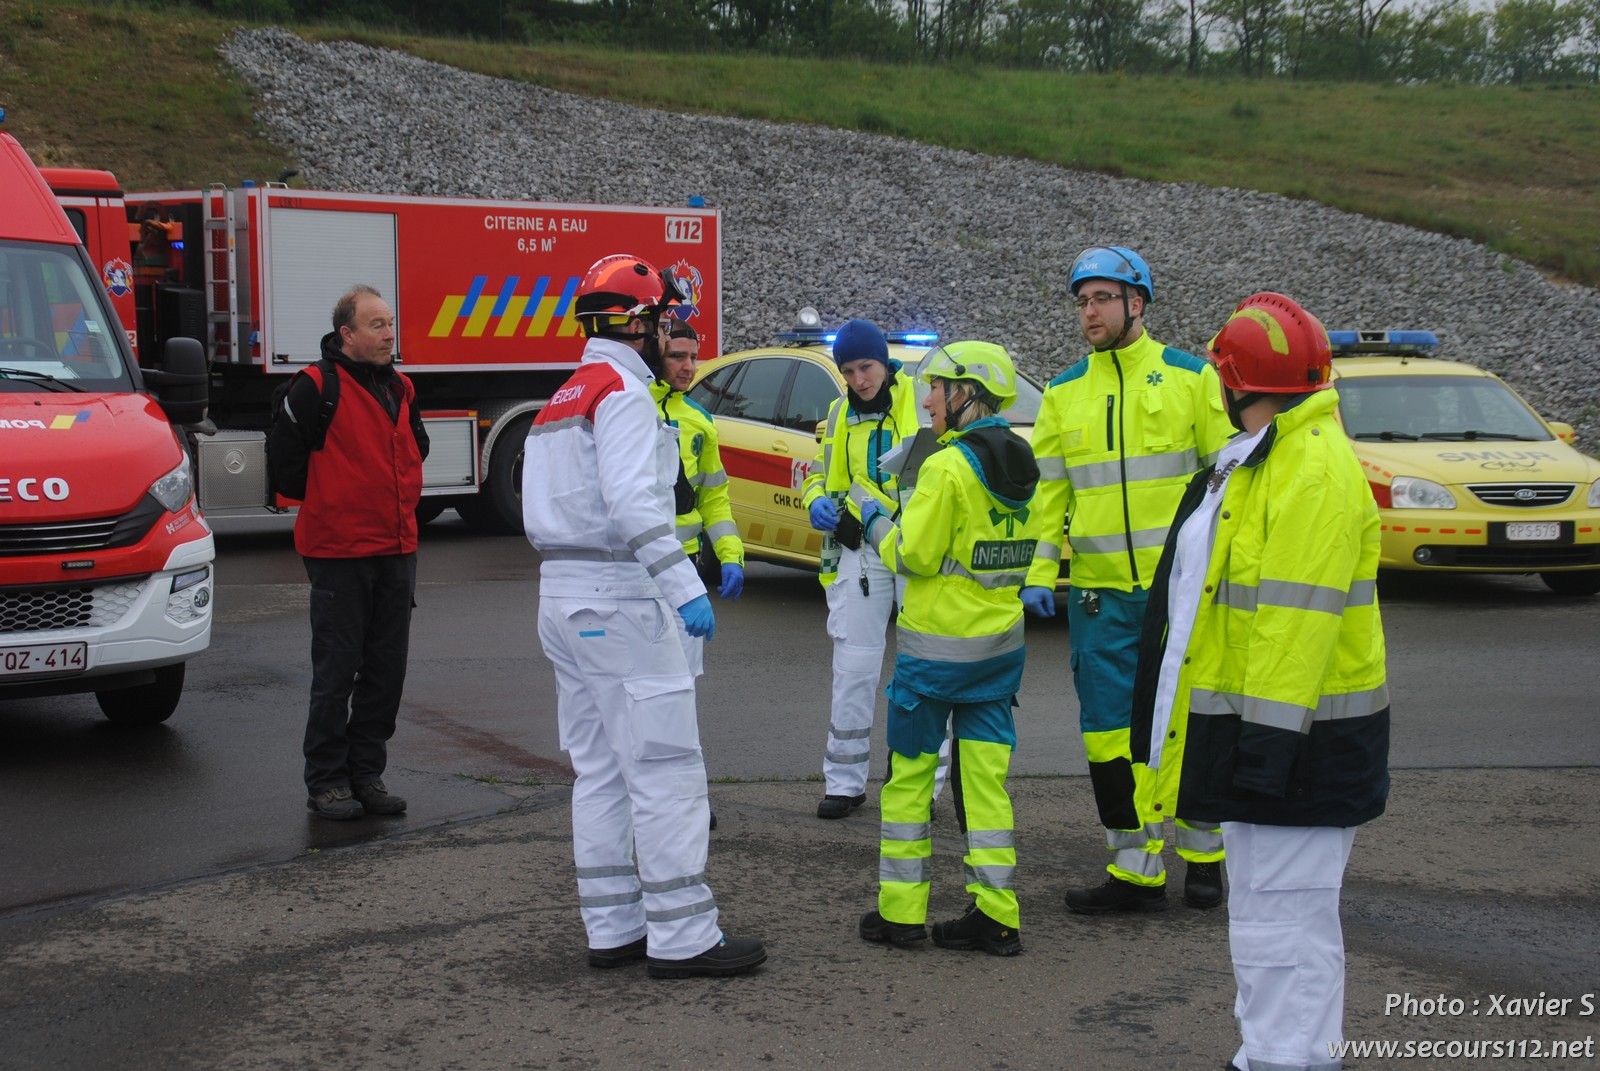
{"type": "Point", "coordinates": [497, 507]}
{"type": "Point", "coordinates": [144, 704]}
{"type": "Point", "coordinates": [1584, 583]}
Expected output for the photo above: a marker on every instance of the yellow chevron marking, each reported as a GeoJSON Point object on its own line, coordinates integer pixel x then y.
{"type": "Point", "coordinates": [480, 316]}
{"type": "Point", "coordinates": [540, 323]}
{"type": "Point", "coordinates": [569, 325]}
{"type": "Point", "coordinates": [511, 317]}
{"type": "Point", "coordinates": [448, 311]}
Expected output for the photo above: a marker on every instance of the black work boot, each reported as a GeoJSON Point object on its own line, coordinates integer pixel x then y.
{"type": "Point", "coordinates": [376, 799]}
{"type": "Point", "coordinates": [335, 803]}
{"type": "Point", "coordinates": [620, 956]}
{"type": "Point", "coordinates": [1117, 895]}
{"type": "Point", "coordinates": [1202, 885]}
{"type": "Point", "coordinates": [977, 930]}
{"type": "Point", "coordinates": [731, 955]}
{"type": "Point", "coordinates": [839, 806]}
{"type": "Point", "coordinates": [876, 928]}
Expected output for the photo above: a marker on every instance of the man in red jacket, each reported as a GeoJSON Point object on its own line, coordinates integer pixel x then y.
{"type": "Point", "coordinates": [357, 531]}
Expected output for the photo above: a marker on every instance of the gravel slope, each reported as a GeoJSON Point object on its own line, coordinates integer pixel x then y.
{"type": "Point", "coordinates": [913, 235]}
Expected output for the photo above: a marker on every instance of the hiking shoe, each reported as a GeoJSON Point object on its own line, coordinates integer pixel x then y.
{"type": "Point", "coordinates": [839, 806]}
{"type": "Point", "coordinates": [731, 955]}
{"type": "Point", "coordinates": [335, 803]}
{"type": "Point", "coordinates": [977, 930]}
{"type": "Point", "coordinates": [1117, 895]}
{"type": "Point", "coordinates": [1202, 885]}
{"type": "Point", "coordinates": [876, 928]}
{"type": "Point", "coordinates": [620, 956]}
{"type": "Point", "coordinates": [376, 799]}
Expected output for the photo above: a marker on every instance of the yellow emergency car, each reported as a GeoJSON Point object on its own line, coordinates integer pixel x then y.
{"type": "Point", "coordinates": [1467, 476]}
{"type": "Point", "coordinates": [768, 402]}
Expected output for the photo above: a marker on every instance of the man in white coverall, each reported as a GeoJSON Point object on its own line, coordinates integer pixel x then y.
{"type": "Point", "coordinates": [597, 483]}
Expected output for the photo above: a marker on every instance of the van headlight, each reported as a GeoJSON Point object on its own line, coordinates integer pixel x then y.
{"type": "Point", "coordinates": [1594, 495]}
{"type": "Point", "coordinates": [174, 489]}
{"type": "Point", "coordinates": [1411, 492]}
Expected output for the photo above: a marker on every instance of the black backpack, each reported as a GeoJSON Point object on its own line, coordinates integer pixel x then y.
{"type": "Point", "coordinates": [325, 373]}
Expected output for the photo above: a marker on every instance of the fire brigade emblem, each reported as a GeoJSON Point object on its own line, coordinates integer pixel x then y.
{"type": "Point", "coordinates": [690, 274]}
{"type": "Point", "coordinates": [118, 276]}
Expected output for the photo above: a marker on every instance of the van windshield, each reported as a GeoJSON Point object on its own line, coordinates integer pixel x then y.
{"type": "Point", "coordinates": [57, 331]}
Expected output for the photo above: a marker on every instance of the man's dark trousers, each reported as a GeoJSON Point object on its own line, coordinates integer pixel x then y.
{"type": "Point", "coordinates": [360, 630]}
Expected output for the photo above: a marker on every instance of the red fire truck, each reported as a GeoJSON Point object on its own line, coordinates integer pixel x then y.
{"type": "Point", "coordinates": [105, 558]}
{"type": "Point", "coordinates": [483, 293]}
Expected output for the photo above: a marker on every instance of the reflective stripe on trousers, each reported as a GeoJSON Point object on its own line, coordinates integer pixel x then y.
{"type": "Point", "coordinates": [626, 714]}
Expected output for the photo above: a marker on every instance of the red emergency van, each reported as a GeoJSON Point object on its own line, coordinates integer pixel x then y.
{"type": "Point", "coordinates": [105, 557]}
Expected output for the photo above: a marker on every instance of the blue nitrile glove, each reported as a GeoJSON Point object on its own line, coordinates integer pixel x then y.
{"type": "Point", "coordinates": [732, 580]}
{"type": "Point", "coordinates": [1040, 602]}
{"type": "Point", "coordinates": [698, 620]}
{"type": "Point", "coordinates": [824, 515]}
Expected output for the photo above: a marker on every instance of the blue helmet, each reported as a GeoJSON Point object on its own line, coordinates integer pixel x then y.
{"type": "Point", "coordinates": [1117, 263]}
{"type": "Point", "coordinates": [860, 340]}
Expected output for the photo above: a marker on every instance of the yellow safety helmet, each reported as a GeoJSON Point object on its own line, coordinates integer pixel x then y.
{"type": "Point", "coordinates": [984, 363]}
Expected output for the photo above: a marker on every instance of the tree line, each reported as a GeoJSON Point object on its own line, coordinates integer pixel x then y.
{"type": "Point", "coordinates": [1511, 42]}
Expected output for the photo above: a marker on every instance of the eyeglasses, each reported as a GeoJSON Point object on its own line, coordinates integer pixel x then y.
{"type": "Point", "coordinates": [1099, 300]}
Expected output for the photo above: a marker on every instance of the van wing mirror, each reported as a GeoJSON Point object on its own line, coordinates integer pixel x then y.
{"type": "Point", "coordinates": [821, 429]}
{"type": "Point", "coordinates": [182, 383]}
{"type": "Point", "coordinates": [1563, 430]}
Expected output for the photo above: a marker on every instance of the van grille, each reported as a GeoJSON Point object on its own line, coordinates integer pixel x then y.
{"type": "Point", "coordinates": [66, 606]}
{"type": "Point", "coordinates": [1522, 494]}
{"type": "Point", "coordinates": [73, 537]}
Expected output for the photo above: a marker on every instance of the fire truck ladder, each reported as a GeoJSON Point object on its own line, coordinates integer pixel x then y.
{"type": "Point", "coordinates": [222, 273]}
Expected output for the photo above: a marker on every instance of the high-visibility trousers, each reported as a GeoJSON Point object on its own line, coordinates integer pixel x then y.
{"type": "Point", "coordinates": [1132, 800]}
{"type": "Point", "coordinates": [981, 757]}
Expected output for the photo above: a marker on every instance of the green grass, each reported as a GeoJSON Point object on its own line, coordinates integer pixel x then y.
{"type": "Point", "coordinates": [1515, 168]}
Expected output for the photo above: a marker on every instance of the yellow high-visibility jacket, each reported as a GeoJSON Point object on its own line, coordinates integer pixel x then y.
{"type": "Point", "coordinates": [702, 465]}
{"type": "Point", "coordinates": [963, 542]}
{"type": "Point", "coordinates": [1118, 436]}
{"type": "Point", "coordinates": [1283, 682]}
{"type": "Point", "coordinates": [846, 465]}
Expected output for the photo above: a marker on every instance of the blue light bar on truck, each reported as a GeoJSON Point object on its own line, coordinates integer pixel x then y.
{"type": "Point", "coordinates": [1346, 343]}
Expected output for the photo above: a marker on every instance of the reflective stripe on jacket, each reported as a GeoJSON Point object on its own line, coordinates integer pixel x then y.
{"type": "Point", "coordinates": [1118, 436]}
{"type": "Point", "coordinates": [597, 478]}
{"type": "Point", "coordinates": [702, 465]}
{"type": "Point", "coordinates": [846, 465]}
{"type": "Point", "coordinates": [1284, 679]}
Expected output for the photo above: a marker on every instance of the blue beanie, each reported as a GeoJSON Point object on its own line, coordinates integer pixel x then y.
{"type": "Point", "coordinates": [860, 340]}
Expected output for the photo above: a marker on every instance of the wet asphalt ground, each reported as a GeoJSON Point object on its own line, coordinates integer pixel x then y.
{"type": "Point", "coordinates": [166, 901]}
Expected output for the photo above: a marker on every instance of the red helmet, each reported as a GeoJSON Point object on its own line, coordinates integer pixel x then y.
{"type": "Point", "coordinates": [1271, 345]}
{"type": "Point", "coordinates": [622, 284]}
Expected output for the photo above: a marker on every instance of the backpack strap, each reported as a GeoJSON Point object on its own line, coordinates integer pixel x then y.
{"type": "Point", "coordinates": [325, 374]}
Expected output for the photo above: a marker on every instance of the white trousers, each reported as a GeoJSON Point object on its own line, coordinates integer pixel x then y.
{"type": "Point", "coordinates": [1288, 949]}
{"type": "Point", "coordinates": [858, 624]}
{"type": "Point", "coordinates": [625, 704]}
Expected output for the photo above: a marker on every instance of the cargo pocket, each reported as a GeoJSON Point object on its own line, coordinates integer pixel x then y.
{"type": "Point", "coordinates": [603, 640]}
{"type": "Point", "coordinates": [661, 721]}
